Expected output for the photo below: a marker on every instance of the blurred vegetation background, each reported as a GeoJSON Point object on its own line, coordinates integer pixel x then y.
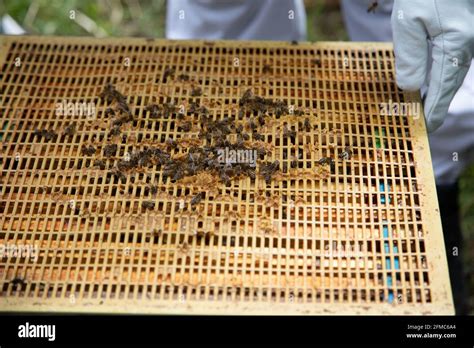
{"type": "Point", "coordinates": [146, 18]}
{"type": "Point", "coordinates": [96, 18]}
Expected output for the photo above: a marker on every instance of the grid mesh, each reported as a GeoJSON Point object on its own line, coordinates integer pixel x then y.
{"type": "Point", "coordinates": [361, 235]}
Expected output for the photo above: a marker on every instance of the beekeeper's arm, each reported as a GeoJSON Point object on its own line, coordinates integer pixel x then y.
{"type": "Point", "coordinates": [449, 25]}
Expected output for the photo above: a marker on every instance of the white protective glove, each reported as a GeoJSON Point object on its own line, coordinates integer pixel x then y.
{"type": "Point", "coordinates": [449, 26]}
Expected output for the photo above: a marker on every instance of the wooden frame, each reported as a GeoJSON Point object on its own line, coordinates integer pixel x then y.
{"type": "Point", "coordinates": [346, 85]}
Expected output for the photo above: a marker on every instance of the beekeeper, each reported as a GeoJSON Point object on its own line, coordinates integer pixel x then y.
{"type": "Point", "coordinates": [434, 46]}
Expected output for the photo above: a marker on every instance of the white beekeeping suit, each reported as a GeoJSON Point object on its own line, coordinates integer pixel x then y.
{"type": "Point", "coordinates": [236, 19]}
{"type": "Point", "coordinates": [9, 26]}
{"type": "Point", "coordinates": [452, 145]}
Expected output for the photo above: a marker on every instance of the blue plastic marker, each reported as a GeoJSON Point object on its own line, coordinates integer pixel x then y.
{"type": "Point", "coordinates": [390, 296]}
{"type": "Point", "coordinates": [388, 263]}
{"type": "Point", "coordinates": [385, 231]}
{"type": "Point", "coordinates": [396, 261]}
{"type": "Point", "coordinates": [386, 247]}
{"type": "Point", "coordinates": [382, 189]}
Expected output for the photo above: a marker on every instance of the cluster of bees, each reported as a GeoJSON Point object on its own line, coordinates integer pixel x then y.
{"type": "Point", "coordinates": [215, 135]}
